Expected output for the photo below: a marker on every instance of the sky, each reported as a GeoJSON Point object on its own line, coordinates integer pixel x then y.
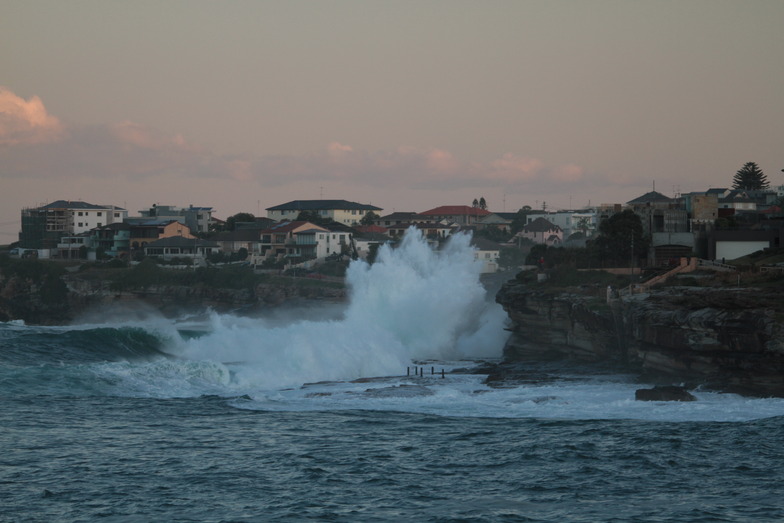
{"type": "Point", "coordinates": [406, 104]}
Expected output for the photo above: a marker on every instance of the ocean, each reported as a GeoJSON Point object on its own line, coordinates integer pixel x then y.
{"type": "Point", "coordinates": [320, 414]}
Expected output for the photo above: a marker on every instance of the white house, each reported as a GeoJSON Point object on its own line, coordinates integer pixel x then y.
{"type": "Point", "coordinates": [340, 211]}
{"type": "Point", "coordinates": [542, 231]}
{"type": "Point", "coordinates": [486, 252]}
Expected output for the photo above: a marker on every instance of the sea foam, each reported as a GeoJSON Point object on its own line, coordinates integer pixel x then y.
{"type": "Point", "coordinates": [414, 303]}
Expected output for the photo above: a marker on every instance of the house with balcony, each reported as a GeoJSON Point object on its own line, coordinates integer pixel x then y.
{"type": "Point", "coordinates": [194, 249]}
{"type": "Point", "coordinates": [144, 231]}
{"type": "Point", "coordinates": [396, 218]}
{"type": "Point", "coordinates": [430, 230]}
{"type": "Point", "coordinates": [339, 211]}
{"type": "Point", "coordinates": [233, 241]}
{"type": "Point", "coordinates": [463, 215]}
{"type": "Point", "coordinates": [114, 239]}
{"type": "Point", "coordinates": [297, 240]}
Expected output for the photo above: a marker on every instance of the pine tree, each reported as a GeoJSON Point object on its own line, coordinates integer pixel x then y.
{"type": "Point", "coordinates": [750, 178]}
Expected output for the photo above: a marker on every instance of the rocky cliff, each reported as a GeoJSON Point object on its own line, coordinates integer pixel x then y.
{"type": "Point", "coordinates": [61, 300]}
{"type": "Point", "coordinates": [720, 338]}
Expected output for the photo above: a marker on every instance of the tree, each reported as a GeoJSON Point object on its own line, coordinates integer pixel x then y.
{"type": "Point", "coordinates": [313, 217]}
{"type": "Point", "coordinates": [618, 234]}
{"type": "Point", "coordinates": [750, 178]}
{"type": "Point", "coordinates": [231, 221]}
{"type": "Point", "coordinates": [511, 257]}
{"type": "Point", "coordinates": [583, 225]}
{"type": "Point", "coordinates": [369, 218]}
{"type": "Point", "coordinates": [480, 203]}
{"type": "Point", "coordinates": [521, 219]}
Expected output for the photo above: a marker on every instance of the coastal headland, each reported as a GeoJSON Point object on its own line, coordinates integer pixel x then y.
{"type": "Point", "coordinates": [717, 336]}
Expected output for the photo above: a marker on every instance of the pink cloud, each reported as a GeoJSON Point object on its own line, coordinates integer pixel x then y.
{"type": "Point", "coordinates": [131, 151]}
{"type": "Point", "coordinates": [26, 121]}
{"type": "Point", "coordinates": [568, 173]}
{"type": "Point", "coordinates": [514, 168]}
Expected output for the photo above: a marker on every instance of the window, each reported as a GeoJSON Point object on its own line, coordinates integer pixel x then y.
{"type": "Point", "coordinates": [99, 213]}
{"type": "Point", "coordinates": [81, 213]}
{"type": "Point", "coordinates": [117, 215]}
{"type": "Point", "coordinates": [80, 224]}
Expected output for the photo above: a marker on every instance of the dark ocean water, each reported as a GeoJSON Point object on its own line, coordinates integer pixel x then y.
{"type": "Point", "coordinates": [89, 433]}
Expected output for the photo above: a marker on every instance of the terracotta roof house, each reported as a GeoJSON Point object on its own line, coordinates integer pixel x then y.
{"type": "Point", "coordinates": [144, 231]}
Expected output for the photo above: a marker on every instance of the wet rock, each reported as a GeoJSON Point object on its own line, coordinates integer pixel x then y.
{"type": "Point", "coordinates": [664, 393]}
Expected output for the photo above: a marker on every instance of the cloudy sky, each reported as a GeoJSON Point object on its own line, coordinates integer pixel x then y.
{"type": "Point", "coordinates": [404, 104]}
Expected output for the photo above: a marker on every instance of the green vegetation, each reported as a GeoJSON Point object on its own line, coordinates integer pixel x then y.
{"type": "Point", "coordinates": [750, 178]}
{"type": "Point", "coordinates": [149, 273]}
{"type": "Point", "coordinates": [30, 269]}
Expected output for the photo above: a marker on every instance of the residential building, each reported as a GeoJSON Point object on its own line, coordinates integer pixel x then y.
{"type": "Point", "coordinates": [42, 227]}
{"type": "Point", "coordinates": [75, 247]}
{"type": "Point", "coordinates": [339, 211]}
{"type": "Point", "coordinates": [338, 239]}
{"type": "Point", "coordinates": [365, 242]}
{"type": "Point", "coordinates": [233, 241]}
{"type": "Point", "coordinates": [542, 231]}
{"type": "Point", "coordinates": [430, 230]}
{"type": "Point", "coordinates": [486, 252]}
{"type": "Point", "coordinates": [144, 231]}
{"type": "Point", "coordinates": [660, 213]}
{"type": "Point", "coordinates": [570, 222]}
{"type": "Point", "coordinates": [296, 239]}
{"type": "Point", "coordinates": [702, 208]}
{"type": "Point", "coordinates": [459, 214]}
{"type": "Point", "coordinates": [198, 219]}
{"type": "Point", "coordinates": [498, 220]}
{"type": "Point", "coordinates": [396, 218]}
{"type": "Point", "coordinates": [191, 248]}
{"type": "Point", "coordinates": [114, 239]}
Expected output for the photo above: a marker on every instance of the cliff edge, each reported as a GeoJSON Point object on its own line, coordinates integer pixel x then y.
{"type": "Point", "coordinates": [729, 339]}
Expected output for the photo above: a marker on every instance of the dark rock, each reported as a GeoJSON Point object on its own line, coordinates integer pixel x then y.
{"type": "Point", "coordinates": [725, 339]}
{"type": "Point", "coordinates": [664, 393]}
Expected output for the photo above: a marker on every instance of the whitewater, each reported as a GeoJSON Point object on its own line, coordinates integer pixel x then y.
{"type": "Point", "coordinates": [315, 413]}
